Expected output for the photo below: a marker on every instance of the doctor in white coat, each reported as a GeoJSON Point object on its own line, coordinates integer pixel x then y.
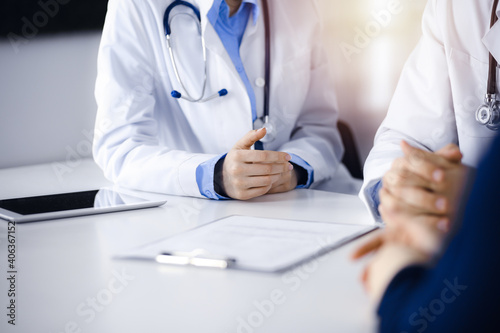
{"type": "Point", "coordinates": [148, 140]}
{"type": "Point", "coordinates": [442, 85]}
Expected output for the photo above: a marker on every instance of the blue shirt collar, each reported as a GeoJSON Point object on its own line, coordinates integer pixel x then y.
{"type": "Point", "coordinates": [220, 6]}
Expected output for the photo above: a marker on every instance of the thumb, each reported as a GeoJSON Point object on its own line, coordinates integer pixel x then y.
{"type": "Point", "coordinates": [451, 152]}
{"type": "Point", "coordinates": [246, 142]}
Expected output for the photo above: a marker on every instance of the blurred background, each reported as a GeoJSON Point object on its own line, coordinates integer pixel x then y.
{"type": "Point", "coordinates": [48, 52]}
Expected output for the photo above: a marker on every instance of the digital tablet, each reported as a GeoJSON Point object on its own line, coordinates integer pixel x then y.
{"type": "Point", "coordinates": [56, 206]}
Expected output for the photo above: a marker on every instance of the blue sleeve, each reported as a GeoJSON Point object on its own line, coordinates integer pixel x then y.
{"type": "Point", "coordinates": [374, 195]}
{"type": "Point", "coordinates": [460, 291]}
{"type": "Point", "coordinates": [205, 178]}
{"type": "Point", "coordinates": [371, 196]}
{"type": "Point", "coordinates": [308, 168]}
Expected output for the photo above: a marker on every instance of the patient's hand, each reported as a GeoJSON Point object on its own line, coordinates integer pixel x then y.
{"type": "Point", "coordinates": [387, 262]}
{"type": "Point", "coordinates": [419, 199]}
{"type": "Point", "coordinates": [423, 186]}
{"type": "Point", "coordinates": [423, 238]}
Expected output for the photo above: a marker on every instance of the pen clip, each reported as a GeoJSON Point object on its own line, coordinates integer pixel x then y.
{"type": "Point", "coordinates": [198, 258]}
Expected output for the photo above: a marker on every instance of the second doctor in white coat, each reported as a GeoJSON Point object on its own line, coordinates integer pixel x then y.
{"type": "Point", "coordinates": [441, 87]}
{"type": "Point", "coordinates": [147, 140]}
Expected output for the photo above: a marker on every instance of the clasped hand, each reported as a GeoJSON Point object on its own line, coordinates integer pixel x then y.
{"type": "Point", "coordinates": [247, 173]}
{"type": "Point", "coordinates": [418, 203]}
{"type": "Point", "coordinates": [419, 197]}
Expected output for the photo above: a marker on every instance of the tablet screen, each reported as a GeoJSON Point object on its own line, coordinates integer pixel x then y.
{"type": "Point", "coordinates": [50, 203]}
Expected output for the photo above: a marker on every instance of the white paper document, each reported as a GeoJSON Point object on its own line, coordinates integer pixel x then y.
{"type": "Point", "coordinates": [257, 244]}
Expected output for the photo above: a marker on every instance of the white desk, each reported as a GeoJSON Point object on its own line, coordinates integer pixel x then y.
{"type": "Point", "coordinates": [67, 281]}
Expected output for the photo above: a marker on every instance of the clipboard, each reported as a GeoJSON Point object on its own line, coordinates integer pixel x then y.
{"type": "Point", "coordinates": [249, 243]}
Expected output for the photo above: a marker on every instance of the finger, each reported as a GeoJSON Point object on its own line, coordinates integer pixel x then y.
{"type": "Point", "coordinates": [281, 186]}
{"type": "Point", "coordinates": [365, 276]}
{"type": "Point", "coordinates": [239, 169]}
{"type": "Point", "coordinates": [395, 212]}
{"type": "Point", "coordinates": [439, 224]}
{"type": "Point", "coordinates": [279, 189]}
{"type": "Point", "coordinates": [247, 194]}
{"type": "Point", "coordinates": [398, 219]}
{"type": "Point", "coordinates": [370, 246]}
{"type": "Point", "coordinates": [261, 169]}
{"type": "Point", "coordinates": [250, 139]}
{"type": "Point", "coordinates": [284, 184]}
{"type": "Point", "coordinates": [451, 152]}
{"type": "Point", "coordinates": [261, 156]}
{"type": "Point", "coordinates": [421, 199]}
{"type": "Point", "coordinates": [393, 205]}
{"type": "Point", "coordinates": [258, 181]}
{"type": "Point", "coordinates": [399, 176]}
{"type": "Point", "coordinates": [422, 233]}
{"type": "Point", "coordinates": [428, 165]}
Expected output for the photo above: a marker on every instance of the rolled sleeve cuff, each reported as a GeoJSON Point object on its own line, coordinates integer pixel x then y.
{"type": "Point", "coordinates": [205, 178]}
{"type": "Point", "coordinates": [372, 197]}
{"type": "Point", "coordinates": [307, 167]}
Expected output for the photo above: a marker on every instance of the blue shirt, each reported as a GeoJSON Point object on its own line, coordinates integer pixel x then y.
{"type": "Point", "coordinates": [231, 31]}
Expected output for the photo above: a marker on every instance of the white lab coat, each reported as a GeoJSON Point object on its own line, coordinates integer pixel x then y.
{"type": "Point", "coordinates": [441, 86]}
{"type": "Point", "coordinates": [147, 140]}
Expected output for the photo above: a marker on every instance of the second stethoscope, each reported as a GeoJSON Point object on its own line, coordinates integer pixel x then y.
{"type": "Point", "coordinates": [488, 114]}
{"type": "Point", "coordinates": [259, 122]}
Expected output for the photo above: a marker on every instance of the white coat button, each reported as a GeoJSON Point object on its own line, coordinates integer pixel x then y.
{"type": "Point", "coordinates": [260, 82]}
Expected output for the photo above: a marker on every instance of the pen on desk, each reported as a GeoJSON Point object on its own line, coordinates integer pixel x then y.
{"type": "Point", "coordinates": [195, 258]}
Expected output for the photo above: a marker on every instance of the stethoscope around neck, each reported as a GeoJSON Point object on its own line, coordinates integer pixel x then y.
{"type": "Point", "coordinates": [259, 122]}
{"type": "Point", "coordinates": [488, 114]}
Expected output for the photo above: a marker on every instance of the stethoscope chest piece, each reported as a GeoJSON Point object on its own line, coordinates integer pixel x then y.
{"type": "Point", "coordinates": [270, 130]}
{"type": "Point", "coordinates": [488, 114]}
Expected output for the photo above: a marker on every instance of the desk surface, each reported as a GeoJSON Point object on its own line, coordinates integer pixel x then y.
{"type": "Point", "coordinates": [68, 282]}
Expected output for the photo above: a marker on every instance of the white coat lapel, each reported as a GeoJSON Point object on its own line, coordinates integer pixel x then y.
{"type": "Point", "coordinates": [212, 39]}
{"type": "Point", "coordinates": [492, 38]}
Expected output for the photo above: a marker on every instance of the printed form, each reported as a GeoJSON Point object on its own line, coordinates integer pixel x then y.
{"type": "Point", "coordinates": [254, 243]}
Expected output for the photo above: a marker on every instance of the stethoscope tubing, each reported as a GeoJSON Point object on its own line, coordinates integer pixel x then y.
{"type": "Point", "coordinates": [267, 77]}
{"type": "Point", "coordinates": [492, 73]}
{"type": "Point", "coordinates": [488, 114]}
{"type": "Point", "coordinates": [223, 92]}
